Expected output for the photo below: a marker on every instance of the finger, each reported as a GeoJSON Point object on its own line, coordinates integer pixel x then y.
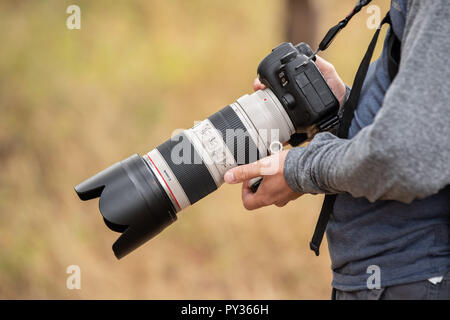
{"type": "Point", "coordinates": [257, 85]}
{"type": "Point", "coordinates": [251, 200]}
{"type": "Point", "coordinates": [285, 201]}
{"type": "Point", "coordinates": [281, 204]}
{"type": "Point", "coordinates": [323, 65]}
{"type": "Point", "coordinates": [242, 173]}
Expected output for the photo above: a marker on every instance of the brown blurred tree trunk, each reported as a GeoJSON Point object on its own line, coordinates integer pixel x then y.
{"type": "Point", "coordinates": [301, 22]}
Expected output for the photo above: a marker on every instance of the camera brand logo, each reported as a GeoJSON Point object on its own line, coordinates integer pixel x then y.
{"type": "Point", "coordinates": [73, 22]}
{"type": "Point", "coordinates": [74, 280]}
{"type": "Point", "coordinates": [374, 280]}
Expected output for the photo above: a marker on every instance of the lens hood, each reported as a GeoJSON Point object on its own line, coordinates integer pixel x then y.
{"type": "Point", "coordinates": [132, 202]}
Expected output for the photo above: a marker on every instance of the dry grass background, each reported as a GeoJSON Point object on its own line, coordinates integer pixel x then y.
{"type": "Point", "coordinates": [74, 102]}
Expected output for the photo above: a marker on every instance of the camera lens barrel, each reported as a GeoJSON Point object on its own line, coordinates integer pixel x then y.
{"type": "Point", "coordinates": [140, 196]}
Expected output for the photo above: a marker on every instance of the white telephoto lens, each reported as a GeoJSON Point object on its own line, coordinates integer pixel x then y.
{"type": "Point", "coordinates": [192, 164]}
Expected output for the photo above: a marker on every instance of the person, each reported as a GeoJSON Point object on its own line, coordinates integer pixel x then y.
{"type": "Point", "coordinates": [391, 176]}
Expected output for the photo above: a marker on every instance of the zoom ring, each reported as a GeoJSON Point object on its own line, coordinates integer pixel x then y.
{"type": "Point", "coordinates": [238, 140]}
{"type": "Point", "coordinates": [192, 173]}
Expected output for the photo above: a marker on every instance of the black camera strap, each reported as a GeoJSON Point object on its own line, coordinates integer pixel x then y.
{"type": "Point", "coordinates": [352, 101]}
{"type": "Point", "coordinates": [348, 114]}
{"type": "Point", "coordinates": [333, 32]}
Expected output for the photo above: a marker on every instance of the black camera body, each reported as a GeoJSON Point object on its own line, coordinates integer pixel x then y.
{"type": "Point", "coordinates": [300, 87]}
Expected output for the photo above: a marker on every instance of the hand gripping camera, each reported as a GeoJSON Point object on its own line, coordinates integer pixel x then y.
{"type": "Point", "coordinates": [142, 195]}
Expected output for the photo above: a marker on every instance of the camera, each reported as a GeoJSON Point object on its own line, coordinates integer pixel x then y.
{"type": "Point", "coordinates": [142, 195]}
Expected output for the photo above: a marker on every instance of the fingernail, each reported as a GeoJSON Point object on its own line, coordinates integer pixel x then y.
{"type": "Point", "coordinates": [229, 177]}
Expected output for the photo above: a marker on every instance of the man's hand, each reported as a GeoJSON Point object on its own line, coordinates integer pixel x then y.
{"type": "Point", "coordinates": [330, 75]}
{"type": "Point", "coordinates": [273, 188]}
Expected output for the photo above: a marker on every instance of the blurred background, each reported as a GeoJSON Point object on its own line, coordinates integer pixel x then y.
{"type": "Point", "coordinates": [73, 102]}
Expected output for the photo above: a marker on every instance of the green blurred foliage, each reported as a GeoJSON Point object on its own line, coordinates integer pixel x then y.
{"type": "Point", "coordinates": [75, 101]}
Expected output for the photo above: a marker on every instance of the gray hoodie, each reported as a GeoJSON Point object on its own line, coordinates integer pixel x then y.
{"type": "Point", "coordinates": [398, 154]}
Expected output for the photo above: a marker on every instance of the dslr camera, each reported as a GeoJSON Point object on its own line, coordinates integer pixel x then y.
{"type": "Point", "coordinates": [142, 195]}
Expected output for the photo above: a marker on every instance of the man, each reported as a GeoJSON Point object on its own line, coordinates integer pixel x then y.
{"type": "Point", "coordinates": [392, 175]}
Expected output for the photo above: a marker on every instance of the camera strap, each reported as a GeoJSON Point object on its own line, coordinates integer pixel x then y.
{"type": "Point", "coordinates": [348, 114]}
{"type": "Point", "coordinates": [333, 32]}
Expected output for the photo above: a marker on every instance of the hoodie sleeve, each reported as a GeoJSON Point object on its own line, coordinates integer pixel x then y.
{"type": "Point", "coordinates": [405, 153]}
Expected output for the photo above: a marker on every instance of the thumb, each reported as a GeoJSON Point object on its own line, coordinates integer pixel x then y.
{"type": "Point", "coordinates": [243, 173]}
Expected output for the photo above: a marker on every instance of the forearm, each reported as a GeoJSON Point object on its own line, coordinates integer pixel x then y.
{"type": "Point", "coordinates": [403, 155]}
{"type": "Point", "coordinates": [358, 166]}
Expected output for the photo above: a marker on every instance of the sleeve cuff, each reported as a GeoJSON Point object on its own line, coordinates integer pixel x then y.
{"type": "Point", "coordinates": [298, 176]}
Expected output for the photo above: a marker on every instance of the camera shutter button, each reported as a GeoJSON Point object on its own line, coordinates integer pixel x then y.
{"type": "Point", "coordinates": [288, 57]}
